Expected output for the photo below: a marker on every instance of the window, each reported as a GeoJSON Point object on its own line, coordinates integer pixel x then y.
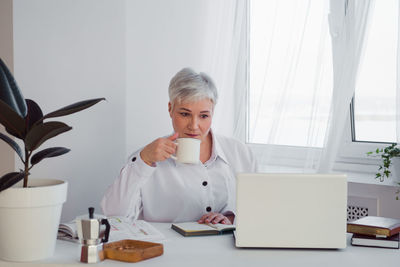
{"type": "Point", "coordinates": [290, 77]}
{"type": "Point", "coordinates": [374, 108]}
{"type": "Point", "coordinates": [291, 82]}
{"type": "Point", "coordinates": [372, 122]}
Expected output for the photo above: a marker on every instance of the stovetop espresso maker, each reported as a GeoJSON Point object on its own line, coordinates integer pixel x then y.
{"type": "Point", "coordinates": [92, 236]}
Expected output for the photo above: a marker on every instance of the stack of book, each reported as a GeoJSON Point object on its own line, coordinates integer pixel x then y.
{"type": "Point", "coordinates": [372, 231]}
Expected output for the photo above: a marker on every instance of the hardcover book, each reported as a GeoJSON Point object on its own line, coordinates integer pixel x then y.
{"type": "Point", "coordinates": [374, 226]}
{"type": "Point", "coordinates": [370, 241]}
{"type": "Point", "coordinates": [195, 228]}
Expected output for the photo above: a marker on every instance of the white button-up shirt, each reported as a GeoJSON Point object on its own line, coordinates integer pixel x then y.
{"type": "Point", "coordinates": [177, 192]}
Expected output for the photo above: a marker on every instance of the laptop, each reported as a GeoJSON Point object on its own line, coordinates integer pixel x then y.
{"type": "Point", "coordinates": [291, 210]}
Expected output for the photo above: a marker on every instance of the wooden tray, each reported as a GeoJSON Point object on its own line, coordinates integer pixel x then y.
{"type": "Point", "coordinates": [132, 250]}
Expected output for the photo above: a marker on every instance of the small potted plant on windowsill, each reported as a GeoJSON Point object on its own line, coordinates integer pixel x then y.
{"type": "Point", "coordinates": [30, 211]}
{"type": "Point", "coordinates": [390, 156]}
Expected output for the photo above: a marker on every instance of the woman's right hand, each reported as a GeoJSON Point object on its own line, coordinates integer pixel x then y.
{"type": "Point", "coordinates": [159, 150]}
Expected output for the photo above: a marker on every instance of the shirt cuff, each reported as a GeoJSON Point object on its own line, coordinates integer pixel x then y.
{"type": "Point", "coordinates": [142, 168]}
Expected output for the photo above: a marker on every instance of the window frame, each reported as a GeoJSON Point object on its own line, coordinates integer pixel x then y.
{"type": "Point", "coordinates": [352, 156]}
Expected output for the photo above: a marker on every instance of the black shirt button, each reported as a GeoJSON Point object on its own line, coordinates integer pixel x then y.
{"type": "Point", "coordinates": [205, 183]}
{"type": "Point", "coordinates": [133, 159]}
{"type": "Point", "coordinates": [208, 209]}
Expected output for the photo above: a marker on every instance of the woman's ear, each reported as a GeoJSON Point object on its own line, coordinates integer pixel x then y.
{"type": "Point", "coordinates": [170, 109]}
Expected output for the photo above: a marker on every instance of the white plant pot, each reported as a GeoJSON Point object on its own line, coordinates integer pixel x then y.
{"type": "Point", "coordinates": [29, 219]}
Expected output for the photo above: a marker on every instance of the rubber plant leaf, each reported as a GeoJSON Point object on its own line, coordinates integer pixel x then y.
{"type": "Point", "coordinates": [12, 144]}
{"type": "Point", "coordinates": [73, 108]}
{"type": "Point", "coordinates": [10, 179]}
{"type": "Point", "coordinates": [42, 132]}
{"type": "Point", "coordinates": [9, 91]}
{"type": "Point", "coordinates": [34, 113]}
{"type": "Point", "coordinates": [14, 124]}
{"type": "Point", "coordinates": [48, 153]}
{"type": "Point", "coordinates": [15, 134]}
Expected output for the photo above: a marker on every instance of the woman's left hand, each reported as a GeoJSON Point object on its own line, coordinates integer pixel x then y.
{"type": "Point", "coordinates": [213, 217]}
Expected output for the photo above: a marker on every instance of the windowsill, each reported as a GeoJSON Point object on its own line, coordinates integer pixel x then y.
{"type": "Point", "coordinates": [366, 178]}
{"type": "Point", "coordinates": [352, 176]}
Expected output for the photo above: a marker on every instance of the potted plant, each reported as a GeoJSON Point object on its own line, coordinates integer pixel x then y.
{"type": "Point", "coordinates": [390, 156]}
{"type": "Point", "coordinates": [387, 155]}
{"type": "Point", "coordinates": [30, 210]}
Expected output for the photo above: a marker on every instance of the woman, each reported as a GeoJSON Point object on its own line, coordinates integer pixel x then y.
{"type": "Point", "coordinates": [154, 187]}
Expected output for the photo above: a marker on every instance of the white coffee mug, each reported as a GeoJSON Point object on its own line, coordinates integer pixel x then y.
{"type": "Point", "coordinates": [188, 150]}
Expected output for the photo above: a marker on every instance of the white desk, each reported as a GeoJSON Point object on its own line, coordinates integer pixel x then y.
{"type": "Point", "coordinates": [220, 251]}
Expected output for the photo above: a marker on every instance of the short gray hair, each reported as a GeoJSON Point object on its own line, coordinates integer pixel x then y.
{"type": "Point", "coordinates": [188, 86]}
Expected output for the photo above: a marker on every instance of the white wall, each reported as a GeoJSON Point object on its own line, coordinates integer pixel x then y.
{"type": "Point", "coordinates": [6, 53]}
{"type": "Point", "coordinates": [383, 196]}
{"type": "Point", "coordinates": [162, 38]}
{"type": "Point", "coordinates": [67, 51]}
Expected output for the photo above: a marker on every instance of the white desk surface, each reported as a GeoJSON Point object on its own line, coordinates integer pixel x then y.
{"type": "Point", "coordinates": [221, 251]}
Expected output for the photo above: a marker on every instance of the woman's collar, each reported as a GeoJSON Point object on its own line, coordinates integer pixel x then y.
{"type": "Point", "coordinates": [217, 150]}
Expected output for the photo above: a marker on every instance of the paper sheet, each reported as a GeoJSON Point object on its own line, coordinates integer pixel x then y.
{"type": "Point", "coordinates": [138, 230]}
{"type": "Point", "coordinates": [121, 228]}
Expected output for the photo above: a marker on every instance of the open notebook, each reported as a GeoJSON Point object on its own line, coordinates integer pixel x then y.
{"type": "Point", "coordinates": [194, 228]}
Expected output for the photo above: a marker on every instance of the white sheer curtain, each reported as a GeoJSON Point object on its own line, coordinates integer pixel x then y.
{"type": "Point", "coordinates": [322, 101]}
{"type": "Point", "coordinates": [290, 80]}
{"type": "Point", "coordinates": [348, 21]}
{"type": "Point", "coordinates": [224, 58]}
{"type": "Point", "coordinates": [326, 103]}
